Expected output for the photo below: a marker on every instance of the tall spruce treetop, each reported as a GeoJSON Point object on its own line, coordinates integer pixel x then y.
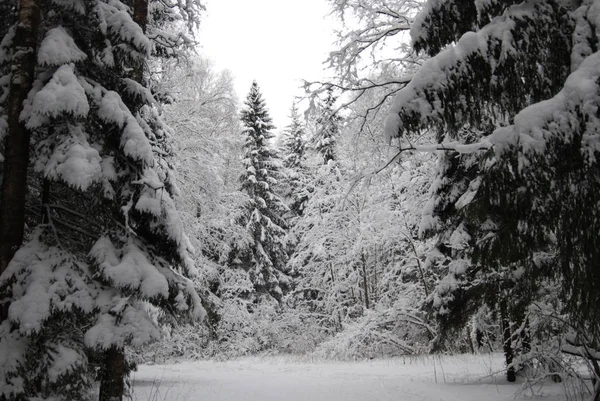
{"type": "Point", "coordinates": [296, 188]}
{"type": "Point", "coordinates": [327, 129]}
{"type": "Point", "coordinates": [520, 78]}
{"type": "Point", "coordinates": [294, 143]}
{"type": "Point", "coordinates": [264, 218]}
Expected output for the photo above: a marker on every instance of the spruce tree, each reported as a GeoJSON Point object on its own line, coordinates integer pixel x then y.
{"type": "Point", "coordinates": [519, 78]}
{"type": "Point", "coordinates": [327, 128]}
{"type": "Point", "coordinates": [102, 236]}
{"type": "Point", "coordinates": [294, 143]}
{"type": "Point", "coordinates": [264, 220]}
{"type": "Point", "coordinates": [294, 149]}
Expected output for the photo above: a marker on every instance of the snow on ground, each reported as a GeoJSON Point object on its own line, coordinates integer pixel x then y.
{"type": "Point", "coordinates": [457, 378]}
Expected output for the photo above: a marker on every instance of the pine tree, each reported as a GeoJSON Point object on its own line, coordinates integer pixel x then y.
{"type": "Point", "coordinates": [264, 220]}
{"type": "Point", "coordinates": [103, 238]}
{"type": "Point", "coordinates": [327, 128]}
{"type": "Point", "coordinates": [510, 219]}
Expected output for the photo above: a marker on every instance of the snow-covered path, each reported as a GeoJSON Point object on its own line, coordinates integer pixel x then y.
{"type": "Point", "coordinates": [462, 378]}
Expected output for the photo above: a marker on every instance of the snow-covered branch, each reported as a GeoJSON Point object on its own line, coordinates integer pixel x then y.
{"type": "Point", "coordinates": [437, 147]}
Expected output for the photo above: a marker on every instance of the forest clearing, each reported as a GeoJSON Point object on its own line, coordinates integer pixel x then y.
{"type": "Point", "coordinates": [448, 378]}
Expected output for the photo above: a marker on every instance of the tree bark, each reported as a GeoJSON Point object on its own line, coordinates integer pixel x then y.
{"type": "Point", "coordinates": [140, 13]}
{"type": "Point", "coordinates": [14, 184]}
{"type": "Point", "coordinates": [112, 381]}
{"type": "Point", "coordinates": [45, 201]}
{"type": "Point", "coordinates": [365, 281]}
{"type": "Point", "coordinates": [469, 340]}
{"type": "Point", "coordinates": [596, 382]}
{"type": "Point", "coordinates": [509, 354]}
{"type": "Point", "coordinates": [140, 16]}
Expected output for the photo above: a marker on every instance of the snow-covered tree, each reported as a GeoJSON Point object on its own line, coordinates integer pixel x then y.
{"type": "Point", "coordinates": [103, 237]}
{"type": "Point", "coordinates": [361, 281]}
{"type": "Point", "coordinates": [358, 260]}
{"type": "Point", "coordinates": [519, 78]}
{"type": "Point", "coordinates": [204, 115]}
{"type": "Point", "coordinates": [327, 128]}
{"type": "Point", "coordinates": [266, 257]}
{"type": "Point", "coordinates": [293, 150]}
{"type": "Point", "coordinates": [294, 141]}
{"type": "Point", "coordinates": [371, 49]}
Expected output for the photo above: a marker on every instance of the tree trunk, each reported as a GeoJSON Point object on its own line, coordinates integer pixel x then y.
{"type": "Point", "coordinates": [469, 339]}
{"type": "Point", "coordinates": [525, 338]}
{"type": "Point", "coordinates": [112, 381]}
{"type": "Point", "coordinates": [140, 16]}
{"type": "Point", "coordinates": [45, 201]}
{"type": "Point", "coordinates": [365, 281]}
{"type": "Point", "coordinates": [14, 184]}
{"type": "Point", "coordinates": [140, 13]}
{"type": "Point", "coordinates": [507, 346]}
{"type": "Point", "coordinates": [596, 379]}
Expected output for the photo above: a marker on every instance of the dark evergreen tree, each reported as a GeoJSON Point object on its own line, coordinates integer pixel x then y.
{"type": "Point", "coordinates": [524, 213]}
{"type": "Point", "coordinates": [267, 257]}
{"type": "Point", "coordinates": [327, 128]}
{"type": "Point", "coordinates": [102, 238]}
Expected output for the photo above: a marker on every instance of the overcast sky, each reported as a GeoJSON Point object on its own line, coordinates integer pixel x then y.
{"type": "Point", "coordinates": [276, 42]}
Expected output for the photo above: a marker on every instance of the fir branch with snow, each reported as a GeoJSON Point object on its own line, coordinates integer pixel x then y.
{"type": "Point", "coordinates": [508, 219]}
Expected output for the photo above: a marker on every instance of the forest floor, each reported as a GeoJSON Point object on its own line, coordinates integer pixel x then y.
{"type": "Point", "coordinates": [453, 378]}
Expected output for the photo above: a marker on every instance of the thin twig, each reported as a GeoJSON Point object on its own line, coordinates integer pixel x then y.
{"type": "Point", "coordinates": [51, 224]}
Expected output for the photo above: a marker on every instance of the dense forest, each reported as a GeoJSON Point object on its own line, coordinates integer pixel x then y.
{"type": "Point", "coordinates": [439, 195]}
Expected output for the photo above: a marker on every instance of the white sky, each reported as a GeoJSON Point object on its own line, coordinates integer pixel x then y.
{"type": "Point", "coordinates": [276, 42]}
